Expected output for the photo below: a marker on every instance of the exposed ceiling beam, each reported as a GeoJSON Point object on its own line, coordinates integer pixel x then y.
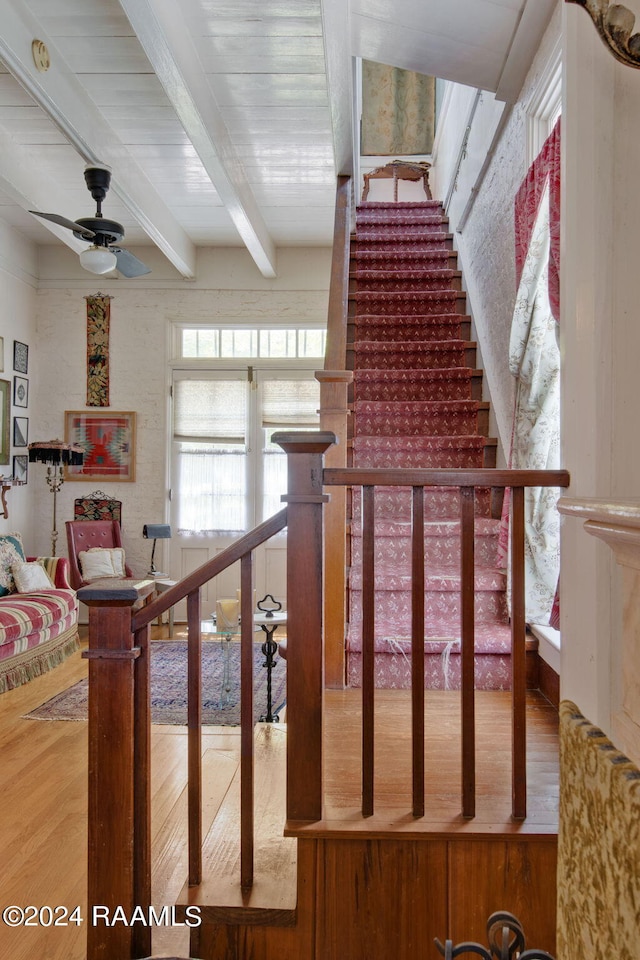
{"type": "Point", "coordinates": [161, 29]}
{"type": "Point", "coordinates": [32, 189]}
{"type": "Point", "coordinates": [336, 30]}
{"type": "Point", "coordinates": [59, 93]}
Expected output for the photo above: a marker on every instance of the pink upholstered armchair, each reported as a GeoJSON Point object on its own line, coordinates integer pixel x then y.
{"type": "Point", "coordinates": [85, 534]}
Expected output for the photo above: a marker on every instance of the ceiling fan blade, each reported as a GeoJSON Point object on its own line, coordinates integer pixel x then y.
{"type": "Point", "coordinates": [64, 222]}
{"type": "Point", "coordinates": [128, 265]}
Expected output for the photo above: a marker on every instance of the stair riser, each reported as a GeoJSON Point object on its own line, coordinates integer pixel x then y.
{"type": "Point", "coordinates": [421, 460]}
{"type": "Point", "coordinates": [393, 672]}
{"type": "Point", "coordinates": [453, 328]}
{"type": "Point", "coordinates": [438, 504]}
{"type": "Point", "coordinates": [413, 359]}
{"type": "Point", "coordinates": [434, 426]}
{"type": "Point", "coordinates": [425, 280]}
{"type": "Point", "coordinates": [418, 303]}
{"type": "Point", "coordinates": [392, 609]}
{"type": "Point", "coordinates": [443, 551]}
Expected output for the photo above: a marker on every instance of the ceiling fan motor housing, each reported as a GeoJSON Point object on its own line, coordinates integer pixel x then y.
{"type": "Point", "coordinates": [97, 180]}
{"type": "Point", "coordinates": [106, 231]}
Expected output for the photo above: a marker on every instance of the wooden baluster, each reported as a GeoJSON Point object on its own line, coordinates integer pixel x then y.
{"type": "Point", "coordinates": [112, 813]}
{"type": "Point", "coordinates": [467, 614]}
{"type": "Point", "coordinates": [417, 649]}
{"type": "Point", "coordinates": [142, 787]}
{"type": "Point", "coordinates": [305, 653]}
{"type": "Point", "coordinates": [368, 649]}
{"type": "Point", "coordinates": [194, 737]}
{"type": "Point", "coordinates": [246, 723]}
{"type": "Point", "coordinates": [518, 657]}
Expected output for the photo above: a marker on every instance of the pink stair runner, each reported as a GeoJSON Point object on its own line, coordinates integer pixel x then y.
{"type": "Point", "coordinates": [416, 405]}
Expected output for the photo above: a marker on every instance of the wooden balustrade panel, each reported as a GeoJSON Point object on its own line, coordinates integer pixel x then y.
{"type": "Point", "coordinates": [417, 649]}
{"type": "Point", "coordinates": [518, 655]}
{"type": "Point", "coordinates": [467, 575]}
{"type": "Point", "coordinates": [368, 651]}
{"type": "Point", "coordinates": [246, 724]}
{"type": "Point", "coordinates": [194, 736]}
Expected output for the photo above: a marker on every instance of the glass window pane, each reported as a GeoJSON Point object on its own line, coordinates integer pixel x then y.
{"type": "Point", "coordinates": [311, 343]}
{"type": "Point", "coordinates": [277, 343]}
{"type": "Point", "coordinates": [238, 343]}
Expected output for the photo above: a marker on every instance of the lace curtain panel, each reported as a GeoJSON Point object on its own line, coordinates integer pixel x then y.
{"type": "Point", "coordinates": [398, 111]}
{"type": "Point", "coordinates": [534, 362]}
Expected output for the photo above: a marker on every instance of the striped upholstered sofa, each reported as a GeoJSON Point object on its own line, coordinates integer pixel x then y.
{"type": "Point", "coordinates": [38, 627]}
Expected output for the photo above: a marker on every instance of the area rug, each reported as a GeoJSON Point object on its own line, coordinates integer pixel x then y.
{"type": "Point", "coordinates": [169, 686]}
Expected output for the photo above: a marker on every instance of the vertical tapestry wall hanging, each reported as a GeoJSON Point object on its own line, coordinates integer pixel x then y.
{"type": "Point", "coordinates": [98, 318]}
{"type": "Point", "coordinates": [398, 111]}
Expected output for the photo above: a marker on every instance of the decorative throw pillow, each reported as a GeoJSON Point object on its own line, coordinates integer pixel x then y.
{"type": "Point", "coordinates": [99, 562]}
{"type": "Point", "coordinates": [11, 551]}
{"type": "Point", "coordinates": [31, 577]}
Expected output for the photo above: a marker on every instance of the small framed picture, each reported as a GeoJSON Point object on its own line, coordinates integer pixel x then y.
{"type": "Point", "coordinates": [20, 392]}
{"type": "Point", "coordinates": [21, 431]}
{"type": "Point", "coordinates": [20, 468]}
{"type": "Point", "coordinates": [1, 354]}
{"type": "Point", "coordinates": [109, 443]}
{"type": "Point", "coordinates": [20, 357]}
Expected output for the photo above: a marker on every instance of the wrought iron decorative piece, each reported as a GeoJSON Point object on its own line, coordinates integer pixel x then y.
{"type": "Point", "coordinates": [614, 23]}
{"type": "Point", "coordinates": [269, 608]}
{"type": "Point", "coordinates": [506, 942]}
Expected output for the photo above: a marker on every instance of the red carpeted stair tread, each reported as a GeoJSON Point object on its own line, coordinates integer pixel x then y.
{"type": "Point", "coordinates": [451, 384]}
{"type": "Point", "coordinates": [437, 326]}
{"type": "Point", "coordinates": [372, 354]}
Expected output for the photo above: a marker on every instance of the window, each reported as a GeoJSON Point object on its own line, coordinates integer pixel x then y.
{"type": "Point", "coordinates": [228, 472]}
{"type": "Point", "coordinates": [222, 343]}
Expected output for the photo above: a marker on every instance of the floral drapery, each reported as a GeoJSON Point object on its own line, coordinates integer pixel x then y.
{"type": "Point", "coordinates": [534, 360]}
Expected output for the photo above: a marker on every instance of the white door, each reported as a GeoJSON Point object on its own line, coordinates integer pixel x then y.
{"type": "Point", "coordinates": [227, 476]}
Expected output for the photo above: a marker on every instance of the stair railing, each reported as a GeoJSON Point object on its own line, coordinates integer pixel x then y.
{"type": "Point", "coordinates": [119, 821]}
{"type": "Point", "coordinates": [334, 382]}
{"type": "Point", "coordinates": [467, 481]}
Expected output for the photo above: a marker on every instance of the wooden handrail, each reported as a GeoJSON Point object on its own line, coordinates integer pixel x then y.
{"type": "Point", "coordinates": [210, 569]}
{"type": "Point", "coordinates": [334, 412]}
{"type": "Point", "coordinates": [464, 477]}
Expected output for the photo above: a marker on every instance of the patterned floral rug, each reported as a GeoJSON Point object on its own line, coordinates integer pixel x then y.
{"type": "Point", "coordinates": [221, 699]}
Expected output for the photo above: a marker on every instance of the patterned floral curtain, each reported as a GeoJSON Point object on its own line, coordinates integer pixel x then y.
{"type": "Point", "coordinates": [398, 111]}
{"type": "Point", "coordinates": [534, 361]}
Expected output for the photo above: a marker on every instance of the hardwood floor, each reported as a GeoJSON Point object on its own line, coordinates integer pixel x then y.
{"type": "Point", "coordinates": [43, 789]}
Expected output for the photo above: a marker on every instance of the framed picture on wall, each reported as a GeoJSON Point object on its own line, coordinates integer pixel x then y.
{"type": "Point", "coordinates": [20, 357]}
{"type": "Point", "coordinates": [1, 354]}
{"type": "Point", "coordinates": [21, 468]}
{"type": "Point", "coordinates": [5, 419]}
{"type": "Point", "coordinates": [108, 440]}
{"type": "Point", "coordinates": [20, 392]}
{"type": "Point", "coordinates": [20, 431]}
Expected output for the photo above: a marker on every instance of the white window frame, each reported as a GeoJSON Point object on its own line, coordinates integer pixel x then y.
{"type": "Point", "coordinates": [545, 103]}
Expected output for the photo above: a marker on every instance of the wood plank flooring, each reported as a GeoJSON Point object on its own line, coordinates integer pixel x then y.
{"type": "Point", "coordinates": [43, 789]}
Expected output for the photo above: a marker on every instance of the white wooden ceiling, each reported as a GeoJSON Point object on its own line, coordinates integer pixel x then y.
{"type": "Point", "coordinates": [225, 121]}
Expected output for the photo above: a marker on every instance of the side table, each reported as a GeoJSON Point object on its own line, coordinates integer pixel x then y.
{"type": "Point", "coordinates": [162, 585]}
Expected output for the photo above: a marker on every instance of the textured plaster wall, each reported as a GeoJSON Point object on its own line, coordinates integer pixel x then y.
{"type": "Point", "coordinates": [228, 288]}
{"type": "Point", "coordinates": [486, 239]}
{"type": "Point", "coordinates": [18, 271]}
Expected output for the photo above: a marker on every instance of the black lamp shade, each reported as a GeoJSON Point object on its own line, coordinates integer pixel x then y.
{"type": "Point", "coordinates": [156, 531]}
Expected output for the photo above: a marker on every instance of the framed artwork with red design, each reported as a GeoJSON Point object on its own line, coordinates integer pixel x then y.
{"type": "Point", "coordinates": [108, 440]}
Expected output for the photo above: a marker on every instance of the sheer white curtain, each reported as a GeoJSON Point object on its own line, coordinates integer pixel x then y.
{"type": "Point", "coordinates": [210, 429]}
{"type": "Point", "coordinates": [225, 456]}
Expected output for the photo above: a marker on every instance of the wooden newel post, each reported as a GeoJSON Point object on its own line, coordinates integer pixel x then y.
{"type": "Point", "coordinates": [305, 647]}
{"type": "Point", "coordinates": [118, 788]}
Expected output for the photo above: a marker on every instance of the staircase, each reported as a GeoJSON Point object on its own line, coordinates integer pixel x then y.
{"type": "Point", "coordinates": [417, 403]}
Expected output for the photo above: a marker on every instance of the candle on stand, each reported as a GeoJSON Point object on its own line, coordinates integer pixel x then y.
{"type": "Point", "coordinates": [228, 615]}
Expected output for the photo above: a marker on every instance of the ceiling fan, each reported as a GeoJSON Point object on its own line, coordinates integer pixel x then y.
{"type": "Point", "coordinates": [102, 256]}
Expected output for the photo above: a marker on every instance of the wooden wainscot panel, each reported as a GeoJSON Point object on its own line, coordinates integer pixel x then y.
{"type": "Point", "coordinates": [380, 898]}
{"type": "Point", "coordinates": [489, 875]}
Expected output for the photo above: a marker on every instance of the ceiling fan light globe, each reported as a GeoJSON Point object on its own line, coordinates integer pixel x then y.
{"type": "Point", "coordinates": [98, 260]}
